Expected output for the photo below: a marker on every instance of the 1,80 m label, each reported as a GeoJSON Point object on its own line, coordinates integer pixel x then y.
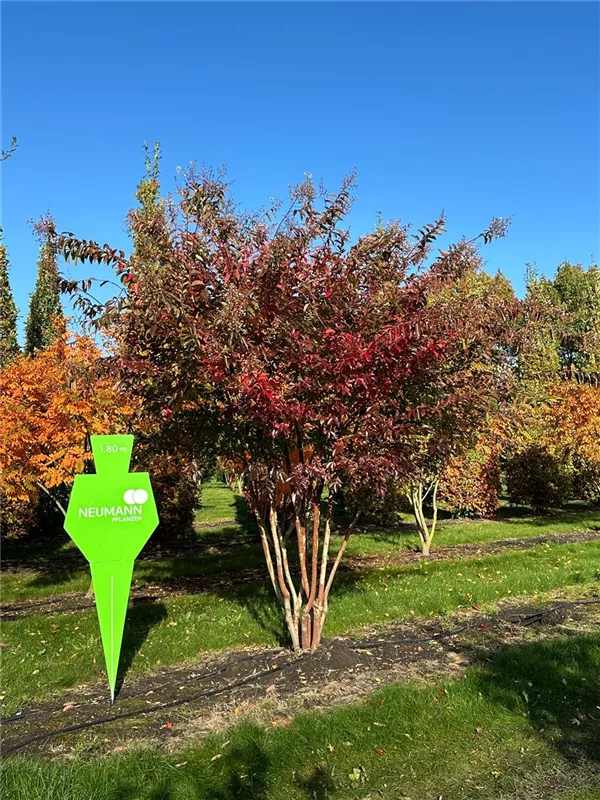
{"type": "Point", "coordinates": [112, 448]}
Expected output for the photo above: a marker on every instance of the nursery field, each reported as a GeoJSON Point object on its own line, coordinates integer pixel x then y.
{"type": "Point", "coordinates": [474, 672]}
{"type": "Point", "coordinates": [300, 403]}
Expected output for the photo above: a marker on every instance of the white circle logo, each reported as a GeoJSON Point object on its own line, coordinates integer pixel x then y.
{"type": "Point", "coordinates": [135, 496]}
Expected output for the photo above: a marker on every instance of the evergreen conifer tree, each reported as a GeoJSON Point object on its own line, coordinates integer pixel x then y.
{"type": "Point", "coordinates": [45, 308]}
{"type": "Point", "coordinates": [9, 348]}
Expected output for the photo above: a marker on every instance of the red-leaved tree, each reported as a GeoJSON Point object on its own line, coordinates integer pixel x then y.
{"type": "Point", "coordinates": [314, 363]}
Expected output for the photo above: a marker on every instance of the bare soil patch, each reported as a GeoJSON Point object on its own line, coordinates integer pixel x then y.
{"type": "Point", "coordinates": [174, 707]}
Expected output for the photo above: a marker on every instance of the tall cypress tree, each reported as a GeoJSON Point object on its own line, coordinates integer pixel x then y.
{"type": "Point", "coordinates": [9, 347]}
{"type": "Point", "coordinates": [148, 222]}
{"type": "Point", "coordinates": [45, 308]}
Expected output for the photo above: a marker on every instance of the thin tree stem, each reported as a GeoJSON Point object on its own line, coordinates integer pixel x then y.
{"type": "Point", "coordinates": [54, 500]}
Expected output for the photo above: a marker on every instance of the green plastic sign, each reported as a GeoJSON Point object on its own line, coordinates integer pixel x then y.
{"type": "Point", "coordinates": [111, 516]}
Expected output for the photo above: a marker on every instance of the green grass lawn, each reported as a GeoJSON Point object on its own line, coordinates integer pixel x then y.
{"type": "Point", "coordinates": [46, 654]}
{"type": "Point", "coordinates": [504, 730]}
{"type": "Point", "coordinates": [233, 546]}
{"type": "Point", "coordinates": [219, 503]}
{"type": "Point", "coordinates": [514, 727]}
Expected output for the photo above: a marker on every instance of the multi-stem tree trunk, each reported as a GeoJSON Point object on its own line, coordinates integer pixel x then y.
{"type": "Point", "coordinates": [417, 496]}
{"type": "Point", "coordinates": [304, 600]}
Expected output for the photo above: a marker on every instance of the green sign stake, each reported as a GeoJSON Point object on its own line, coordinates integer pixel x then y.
{"type": "Point", "coordinates": [111, 516]}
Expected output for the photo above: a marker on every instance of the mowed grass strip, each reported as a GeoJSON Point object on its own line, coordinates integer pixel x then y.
{"type": "Point", "coordinates": [44, 655]}
{"type": "Point", "coordinates": [231, 548]}
{"type": "Point", "coordinates": [522, 725]}
{"type": "Point", "coordinates": [219, 502]}
{"type": "Point", "coordinates": [20, 587]}
{"type": "Point", "coordinates": [479, 532]}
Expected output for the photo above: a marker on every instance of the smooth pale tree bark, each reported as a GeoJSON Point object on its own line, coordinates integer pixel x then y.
{"type": "Point", "coordinates": [304, 600]}
{"type": "Point", "coordinates": [417, 495]}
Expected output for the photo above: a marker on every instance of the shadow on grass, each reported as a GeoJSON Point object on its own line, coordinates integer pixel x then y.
{"type": "Point", "coordinates": [57, 576]}
{"type": "Point", "coordinates": [243, 516]}
{"type": "Point", "coordinates": [320, 785]}
{"type": "Point", "coordinates": [556, 684]}
{"type": "Point", "coordinates": [246, 774]}
{"type": "Point", "coordinates": [243, 772]}
{"type": "Point", "coordinates": [138, 624]}
{"type": "Point", "coordinates": [575, 518]}
{"type": "Point", "coordinates": [42, 554]}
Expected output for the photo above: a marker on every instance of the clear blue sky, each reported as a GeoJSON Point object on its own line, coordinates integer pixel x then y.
{"type": "Point", "coordinates": [483, 109]}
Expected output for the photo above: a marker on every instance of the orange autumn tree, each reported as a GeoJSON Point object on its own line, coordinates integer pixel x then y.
{"type": "Point", "coordinates": [50, 405]}
{"type": "Point", "coordinates": [571, 431]}
{"type": "Point", "coordinates": [470, 483]}
{"type": "Point", "coordinates": [572, 418]}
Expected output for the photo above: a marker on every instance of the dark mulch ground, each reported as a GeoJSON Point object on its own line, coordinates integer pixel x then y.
{"type": "Point", "coordinates": [174, 705]}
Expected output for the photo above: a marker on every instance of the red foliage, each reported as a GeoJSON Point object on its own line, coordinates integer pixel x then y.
{"type": "Point", "coordinates": [314, 363]}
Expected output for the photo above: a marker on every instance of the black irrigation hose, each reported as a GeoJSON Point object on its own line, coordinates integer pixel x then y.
{"type": "Point", "coordinates": [527, 620]}
{"type": "Point", "coordinates": [236, 684]}
{"type": "Point", "coordinates": [152, 709]}
{"type": "Point", "coordinates": [416, 640]}
{"type": "Point", "coordinates": [10, 614]}
{"type": "Point", "coordinates": [201, 677]}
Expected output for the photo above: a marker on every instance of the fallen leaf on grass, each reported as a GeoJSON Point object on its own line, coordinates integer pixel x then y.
{"type": "Point", "coordinates": [68, 706]}
{"type": "Point", "coordinates": [181, 764]}
{"type": "Point", "coordinates": [478, 730]}
{"type": "Point", "coordinates": [219, 755]}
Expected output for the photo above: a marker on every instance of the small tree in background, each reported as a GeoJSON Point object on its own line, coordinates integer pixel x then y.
{"type": "Point", "coordinates": [575, 293]}
{"type": "Point", "coordinates": [571, 421]}
{"type": "Point", "coordinates": [9, 347]}
{"type": "Point", "coordinates": [175, 467]}
{"type": "Point", "coordinates": [535, 477]}
{"type": "Point", "coordinates": [45, 310]}
{"type": "Point", "coordinates": [482, 311]}
{"type": "Point", "coordinates": [555, 416]}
